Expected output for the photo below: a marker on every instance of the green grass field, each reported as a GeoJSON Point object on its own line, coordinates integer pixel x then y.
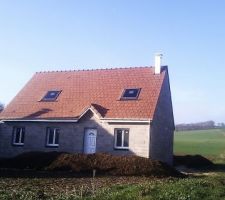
{"type": "Point", "coordinates": [197, 188]}
{"type": "Point", "coordinates": [208, 143]}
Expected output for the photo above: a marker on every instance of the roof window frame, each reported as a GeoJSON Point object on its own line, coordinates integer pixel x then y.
{"type": "Point", "coordinates": [130, 98]}
{"type": "Point", "coordinates": [51, 99]}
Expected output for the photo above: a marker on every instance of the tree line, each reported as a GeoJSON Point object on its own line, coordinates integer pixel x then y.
{"type": "Point", "coordinates": [199, 126]}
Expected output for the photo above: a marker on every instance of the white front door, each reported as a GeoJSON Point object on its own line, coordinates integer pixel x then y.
{"type": "Point", "coordinates": [90, 140]}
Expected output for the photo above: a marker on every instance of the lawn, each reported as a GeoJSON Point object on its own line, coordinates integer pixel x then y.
{"type": "Point", "coordinates": [193, 188]}
{"type": "Point", "coordinates": [208, 143]}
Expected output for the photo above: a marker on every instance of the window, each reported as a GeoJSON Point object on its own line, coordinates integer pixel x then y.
{"type": "Point", "coordinates": [121, 139]}
{"type": "Point", "coordinates": [18, 136]}
{"type": "Point", "coordinates": [51, 95]}
{"type": "Point", "coordinates": [52, 137]}
{"type": "Point", "coordinates": [132, 93]}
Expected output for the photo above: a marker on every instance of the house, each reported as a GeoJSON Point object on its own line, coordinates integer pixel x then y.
{"type": "Point", "coordinates": [121, 111]}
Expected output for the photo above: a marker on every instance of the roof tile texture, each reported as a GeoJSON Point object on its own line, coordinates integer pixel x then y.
{"type": "Point", "coordinates": [80, 89]}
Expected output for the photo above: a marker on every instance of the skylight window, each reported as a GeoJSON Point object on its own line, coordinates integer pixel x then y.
{"type": "Point", "coordinates": [51, 95]}
{"type": "Point", "coordinates": [131, 93]}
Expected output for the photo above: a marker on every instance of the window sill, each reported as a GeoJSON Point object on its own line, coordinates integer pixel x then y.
{"type": "Point", "coordinates": [18, 144]}
{"type": "Point", "coordinates": [47, 100]}
{"type": "Point", "coordinates": [122, 148]}
{"type": "Point", "coordinates": [52, 145]}
{"type": "Point", "coordinates": [127, 99]}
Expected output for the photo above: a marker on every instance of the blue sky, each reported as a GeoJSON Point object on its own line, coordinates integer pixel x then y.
{"type": "Point", "coordinates": [47, 35]}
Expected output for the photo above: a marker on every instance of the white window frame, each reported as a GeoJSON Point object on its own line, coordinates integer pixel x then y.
{"type": "Point", "coordinates": [54, 137]}
{"type": "Point", "coordinates": [20, 143]}
{"type": "Point", "coordinates": [115, 138]}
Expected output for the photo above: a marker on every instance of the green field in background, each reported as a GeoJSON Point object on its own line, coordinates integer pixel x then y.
{"type": "Point", "coordinates": [208, 143]}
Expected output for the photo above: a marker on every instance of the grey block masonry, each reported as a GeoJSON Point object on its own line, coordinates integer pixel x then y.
{"type": "Point", "coordinates": [162, 126]}
{"type": "Point", "coordinates": [71, 138]}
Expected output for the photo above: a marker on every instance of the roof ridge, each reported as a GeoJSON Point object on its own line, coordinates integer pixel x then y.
{"type": "Point", "coordinates": [94, 69]}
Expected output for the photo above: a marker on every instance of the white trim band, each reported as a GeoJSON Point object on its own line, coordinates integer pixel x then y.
{"type": "Point", "coordinates": [38, 120]}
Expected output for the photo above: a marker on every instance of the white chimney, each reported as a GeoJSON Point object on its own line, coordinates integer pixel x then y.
{"type": "Point", "coordinates": [158, 60]}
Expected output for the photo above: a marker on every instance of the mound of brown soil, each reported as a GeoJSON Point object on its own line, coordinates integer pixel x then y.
{"type": "Point", "coordinates": [113, 165]}
{"type": "Point", "coordinates": [82, 163]}
{"type": "Point", "coordinates": [193, 161]}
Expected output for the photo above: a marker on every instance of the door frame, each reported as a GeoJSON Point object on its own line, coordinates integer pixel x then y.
{"type": "Point", "coordinates": [86, 128]}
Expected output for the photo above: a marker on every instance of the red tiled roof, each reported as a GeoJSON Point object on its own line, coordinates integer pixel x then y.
{"type": "Point", "coordinates": [101, 89]}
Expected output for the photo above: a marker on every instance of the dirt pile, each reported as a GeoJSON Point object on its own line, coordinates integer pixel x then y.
{"type": "Point", "coordinates": [193, 161]}
{"type": "Point", "coordinates": [81, 163]}
{"type": "Point", "coordinates": [113, 165]}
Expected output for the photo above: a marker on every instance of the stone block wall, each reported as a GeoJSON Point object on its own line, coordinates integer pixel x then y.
{"type": "Point", "coordinates": [71, 138]}
{"type": "Point", "coordinates": [162, 126]}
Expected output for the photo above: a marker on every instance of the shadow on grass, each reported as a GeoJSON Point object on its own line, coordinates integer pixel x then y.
{"type": "Point", "coordinates": [28, 173]}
